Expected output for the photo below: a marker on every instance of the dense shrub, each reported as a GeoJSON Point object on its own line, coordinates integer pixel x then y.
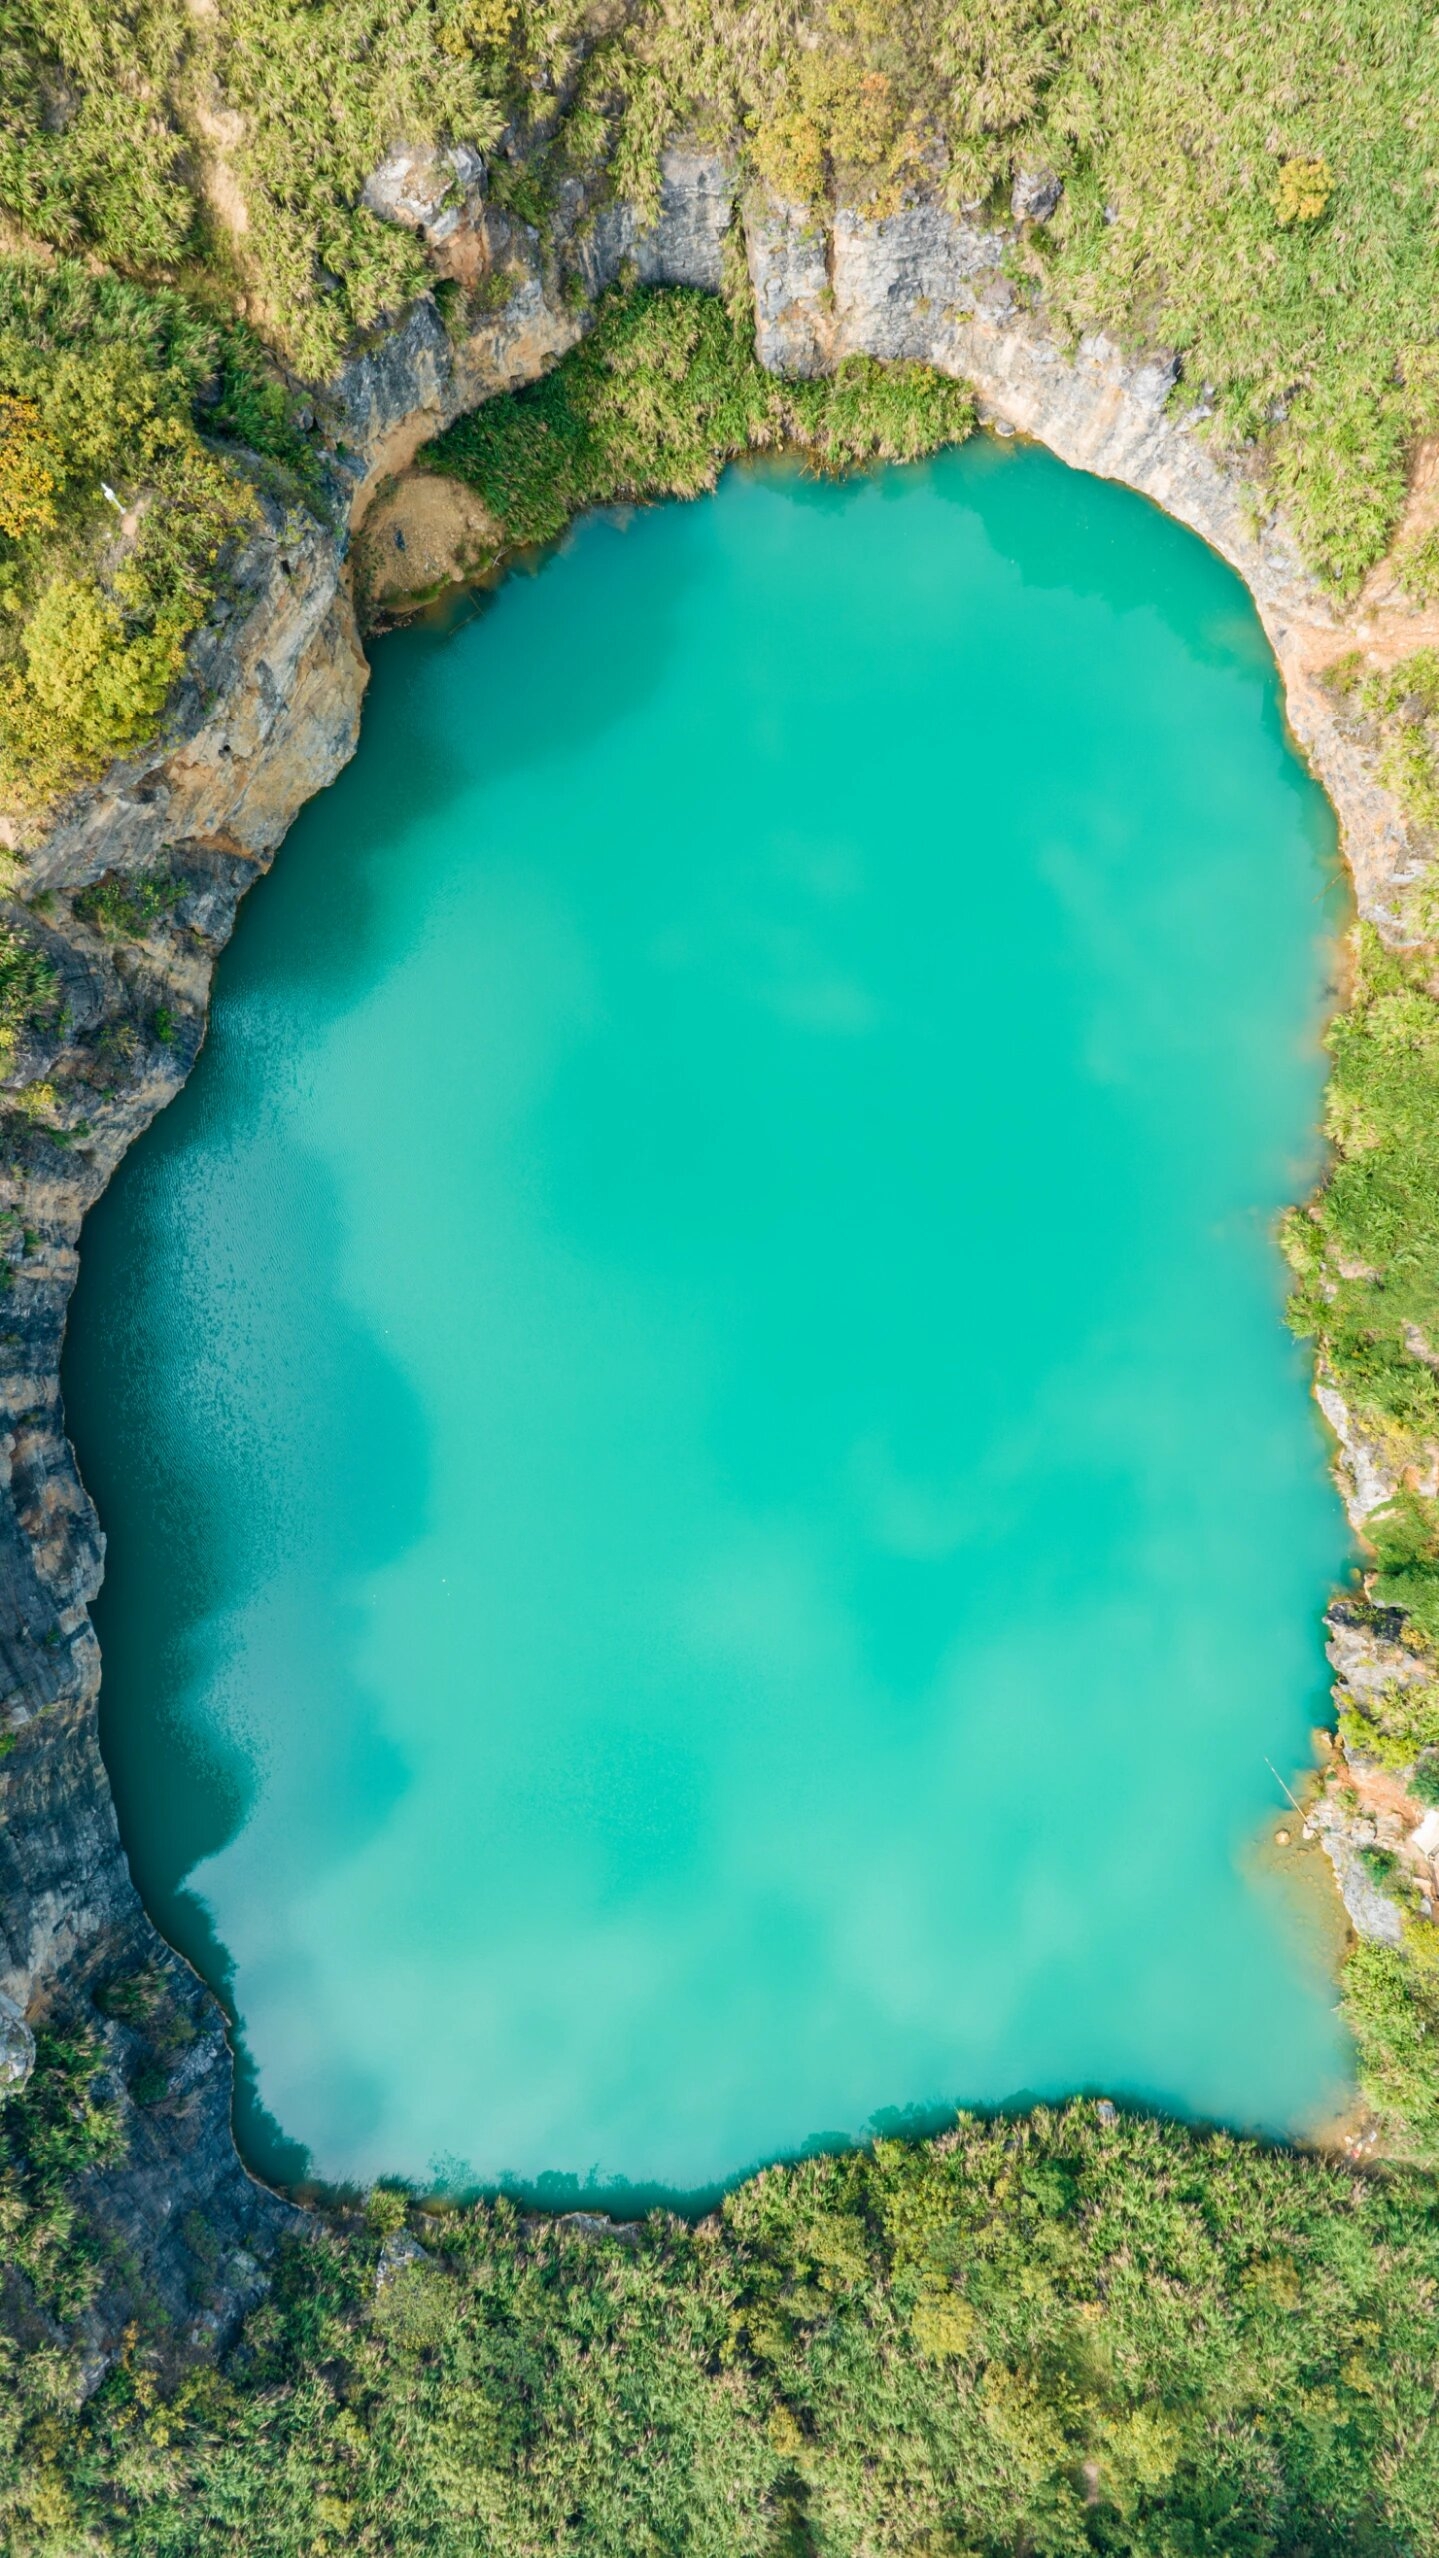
{"type": "Point", "coordinates": [125, 906]}
{"type": "Point", "coordinates": [1366, 1251]}
{"type": "Point", "coordinates": [28, 986]}
{"type": "Point", "coordinates": [659, 396]}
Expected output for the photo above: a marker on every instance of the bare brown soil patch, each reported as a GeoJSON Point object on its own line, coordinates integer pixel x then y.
{"type": "Point", "coordinates": [423, 534]}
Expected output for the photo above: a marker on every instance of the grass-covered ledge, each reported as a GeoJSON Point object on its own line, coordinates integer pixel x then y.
{"type": "Point", "coordinates": [663, 392]}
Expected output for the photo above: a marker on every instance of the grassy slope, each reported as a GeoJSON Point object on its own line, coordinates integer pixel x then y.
{"type": "Point", "coordinates": [1057, 2335]}
{"type": "Point", "coordinates": [1256, 188]}
{"type": "Point", "coordinates": [662, 393]}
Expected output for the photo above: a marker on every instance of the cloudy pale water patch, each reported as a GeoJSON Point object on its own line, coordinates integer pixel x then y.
{"type": "Point", "coordinates": [711, 1518]}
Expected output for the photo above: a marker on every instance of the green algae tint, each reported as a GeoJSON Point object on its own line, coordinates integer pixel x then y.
{"type": "Point", "coordinates": [711, 1518]}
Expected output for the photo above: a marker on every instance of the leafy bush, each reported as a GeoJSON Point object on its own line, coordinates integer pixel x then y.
{"type": "Point", "coordinates": [97, 388]}
{"type": "Point", "coordinates": [28, 986]}
{"type": "Point", "coordinates": [1405, 1538]}
{"type": "Point", "coordinates": [57, 2128]}
{"type": "Point", "coordinates": [124, 905]}
{"type": "Point", "coordinates": [89, 690]}
{"type": "Point", "coordinates": [1391, 2006]}
{"type": "Point", "coordinates": [1366, 1252]}
{"type": "Point", "coordinates": [1397, 1725]}
{"type": "Point", "coordinates": [254, 407]}
{"type": "Point", "coordinates": [1302, 190]}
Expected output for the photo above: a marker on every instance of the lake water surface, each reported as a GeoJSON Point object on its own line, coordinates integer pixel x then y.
{"type": "Point", "coordinates": [711, 1518]}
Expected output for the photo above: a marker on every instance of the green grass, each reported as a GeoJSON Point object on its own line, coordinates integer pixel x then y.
{"type": "Point", "coordinates": [29, 987]}
{"type": "Point", "coordinates": [1391, 2006]}
{"type": "Point", "coordinates": [126, 906]}
{"type": "Point", "coordinates": [1366, 1251]}
{"type": "Point", "coordinates": [1260, 198]}
{"type": "Point", "coordinates": [1059, 2334]}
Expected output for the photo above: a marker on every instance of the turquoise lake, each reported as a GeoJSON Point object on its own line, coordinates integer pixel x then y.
{"type": "Point", "coordinates": [712, 1520]}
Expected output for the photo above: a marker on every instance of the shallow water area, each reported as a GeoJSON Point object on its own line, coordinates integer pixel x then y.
{"type": "Point", "coordinates": [712, 1522]}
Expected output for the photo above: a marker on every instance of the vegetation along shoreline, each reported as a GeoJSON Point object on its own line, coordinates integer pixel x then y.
{"type": "Point", "coordinates": [255, 263]}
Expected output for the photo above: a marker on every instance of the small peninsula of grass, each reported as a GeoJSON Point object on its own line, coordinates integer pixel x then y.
{"type": "Point", "coordinates": [659, 396]}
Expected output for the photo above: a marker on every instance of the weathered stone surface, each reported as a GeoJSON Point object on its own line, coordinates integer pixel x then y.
{"type": "Point", "coordinates": [1035, 195]}
{"type": "Point", "coordinates": [898, 284]}
{"type": "Point", "coordinates": [399, 2252]}
{"type": "Point", "coordinates": [787, 248]}
{"type": "Point", "coordinates": [267, 714]}
{"type": "Point", "coordinates": [17, 2049]}
{"type": "Point", "coordinates": [1370, 1666]}
{"type": "Point", "coordinates": [388, 402]}
{"type": "Point", "coordinates": [426, 188]}
{"type": "Point", "coordinates": [1366, 1473]}
{"type": "Point", "coordinates": [1371, 1912]}
{"type": "Point", "coordinates": [685, 244]}
{"type": "Point", "coordinates": [1369, 1471]}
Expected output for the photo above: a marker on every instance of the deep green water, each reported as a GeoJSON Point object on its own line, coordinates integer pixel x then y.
{"type": "Point", "coordinates": [711, 1519]}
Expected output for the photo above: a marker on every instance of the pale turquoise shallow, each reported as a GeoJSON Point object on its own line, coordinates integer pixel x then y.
{"type": "Point", "coordinates": [712, 1522]}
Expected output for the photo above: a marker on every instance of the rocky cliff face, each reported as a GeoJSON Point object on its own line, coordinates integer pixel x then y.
{"type": "Point", "coordinates": [268, 713]}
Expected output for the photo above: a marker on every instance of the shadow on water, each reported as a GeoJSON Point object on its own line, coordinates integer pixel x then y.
{"type": "Point", "coordinates": [575, 677]}
{"type": "Point", "coordinates": [193, 1531]}
{"type": "Point", "coordinates": [453, 2180]}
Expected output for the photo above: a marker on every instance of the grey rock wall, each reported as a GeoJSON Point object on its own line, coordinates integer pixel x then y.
{"type": "Point", "coordinates": [685, 243]}
{"type": "Point", "coordinates": [788, 253]}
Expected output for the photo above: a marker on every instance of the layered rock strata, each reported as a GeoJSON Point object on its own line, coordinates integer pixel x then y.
{"type": "Point", "coordinates": [268, 714]}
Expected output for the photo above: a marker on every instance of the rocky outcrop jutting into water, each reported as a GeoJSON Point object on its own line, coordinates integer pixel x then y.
{"type": "Point", "coordinates": [268, 713]}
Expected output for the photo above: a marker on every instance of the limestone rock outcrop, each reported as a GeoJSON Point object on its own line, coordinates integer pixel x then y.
{"type": "Point", "coordinates": [684, 244]}
{"type": "Point", "coordinates": [426, 188]}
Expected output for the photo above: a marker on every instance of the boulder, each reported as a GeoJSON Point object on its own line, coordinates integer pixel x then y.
{"type": "Point", "coordinates": [1035, 194]}
{"type": "Point", "coordinates": [425, 188]}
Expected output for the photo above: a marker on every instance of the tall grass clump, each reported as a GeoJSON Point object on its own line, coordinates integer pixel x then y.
{"type": "Point", "coordinates": [662, 393]}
